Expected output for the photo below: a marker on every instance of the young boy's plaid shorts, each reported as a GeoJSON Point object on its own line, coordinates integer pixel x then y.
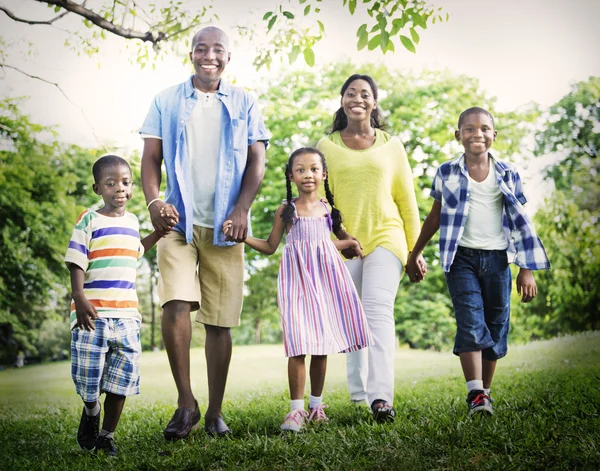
{"type": "Point", "coordinates": [107, 359]}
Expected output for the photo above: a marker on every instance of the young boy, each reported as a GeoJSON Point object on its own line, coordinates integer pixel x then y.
{"type": "Point", "coordinates": [483, 227]}
{"type": "Point", "coordinates": [105, 322]}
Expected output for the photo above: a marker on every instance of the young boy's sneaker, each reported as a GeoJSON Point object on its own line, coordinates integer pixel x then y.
{"type": "Point", "coordinates": [89, 427]}
{"type": "Point", "coordinates": [479, 402]}
{"type": "Point", "coordinates": [106, 445]}
{"type": "Point", "coordinates": [317, 414]}
{"type": "Point", "coordinates": [295, 420]}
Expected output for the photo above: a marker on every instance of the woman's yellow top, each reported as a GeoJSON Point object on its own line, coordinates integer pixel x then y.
{"type": "Point", "coordinates": [374, 190]}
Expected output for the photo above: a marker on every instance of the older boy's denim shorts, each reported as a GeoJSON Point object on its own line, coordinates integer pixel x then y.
{"type": "Point", "coordinates": [106, 359]}
{"type": "Point", "coordinates": [480, 283]}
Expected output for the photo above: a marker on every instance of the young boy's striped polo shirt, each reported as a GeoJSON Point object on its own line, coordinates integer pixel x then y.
{"type": "Point", "coordinates": [107, 250]}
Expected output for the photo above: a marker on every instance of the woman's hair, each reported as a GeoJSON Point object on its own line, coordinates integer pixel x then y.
{"type": "Point", "coordinates": [340, 120]}
{"type": "Point", "coordinates": [288, 212]}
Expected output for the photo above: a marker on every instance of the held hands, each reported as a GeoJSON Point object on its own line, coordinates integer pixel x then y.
{"type": "Point", "coordinates": [354, 249]}
{"type": "Point", "coordinates": [526, 285]}
{"type": "Point", "coordinates": [164, 217]}
{"type": "Point", "coordinates": [227, 229]}
{"type": "Point", "coordinates": [416, 268]}
{"type": "Point", "coordinates": [237, 226]}
{"type": "Point", "coordinates": [86, 313]}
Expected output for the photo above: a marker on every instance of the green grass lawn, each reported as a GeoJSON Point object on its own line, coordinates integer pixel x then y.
{"type": "Point", "coordinates": [547, 401]}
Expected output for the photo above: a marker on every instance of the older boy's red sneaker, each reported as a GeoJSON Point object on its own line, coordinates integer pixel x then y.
{"type": "Point", "coordinates": [479, 402]}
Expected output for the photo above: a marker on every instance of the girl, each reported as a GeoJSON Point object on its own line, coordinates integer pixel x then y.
{"type": "Point", "coordinates": [371, 175]}
{"type": "Point", "coordinates": [320, 309]}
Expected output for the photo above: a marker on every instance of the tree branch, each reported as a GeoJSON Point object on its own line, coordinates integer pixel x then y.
{"type": "Point", "coordinates": [59, 89]}
{"type": "Point", "coordinates": [99, 21]}
{"type": "Point", "coordinates": [12, 16]}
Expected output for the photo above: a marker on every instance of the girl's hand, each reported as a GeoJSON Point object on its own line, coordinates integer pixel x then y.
{"type": "Point", "coordinates": [86, 313]}
{"type": "Point", "coordinates": [356, 248]}
{"type": "Point", "coordinates": [227, 226]}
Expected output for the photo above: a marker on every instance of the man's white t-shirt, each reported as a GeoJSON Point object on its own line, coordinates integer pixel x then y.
{"type": "Point", "coordinates": [203, 133]}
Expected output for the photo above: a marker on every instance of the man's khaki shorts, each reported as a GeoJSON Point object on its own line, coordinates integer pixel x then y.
{"type": "Point", "coordinates": [209, 277]}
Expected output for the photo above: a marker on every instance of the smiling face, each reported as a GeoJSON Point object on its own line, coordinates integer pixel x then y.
{"type": "Point", "coordinates": [358, 101]}
{"type": "Point", "coordinates": [210, 54]}
{"type": "Point", "coordinates": [115, 185]}
{"type": "Point", "coordinates": [307, 172]}
{"type": "Point", "coordinates": [476, 134]}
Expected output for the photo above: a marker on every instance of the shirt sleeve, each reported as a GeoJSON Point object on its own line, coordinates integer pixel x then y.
{"type": "Point", "coordinates": [436, 186]}
{"type": "Point", "coordinates": [405, 198]}
{"type": "Point", "coordinates": [257, 130]}
{"type": "Point", "coordinates": [518, 187]}
{"type": "Point", "coordinates": [152, 124]}
{"type": "Point", "coordinates": [79, 245]}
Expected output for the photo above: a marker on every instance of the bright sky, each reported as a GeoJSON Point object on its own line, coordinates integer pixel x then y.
{"type": "Point", "coordinates": [521, 50]}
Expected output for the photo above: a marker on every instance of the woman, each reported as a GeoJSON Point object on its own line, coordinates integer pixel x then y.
{"type": "Point", "coordinates": [371, 179]}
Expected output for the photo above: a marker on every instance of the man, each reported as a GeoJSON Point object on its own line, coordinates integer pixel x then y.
{"type": "Point", "coordinates": [212, 139]}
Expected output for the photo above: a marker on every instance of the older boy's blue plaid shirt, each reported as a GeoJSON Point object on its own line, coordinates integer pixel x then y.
{"type": "Point", "coordinates": [451, 188]}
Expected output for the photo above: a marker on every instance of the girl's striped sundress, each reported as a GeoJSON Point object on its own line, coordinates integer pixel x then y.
{"type": "Point", "coordinates": [320, 309]}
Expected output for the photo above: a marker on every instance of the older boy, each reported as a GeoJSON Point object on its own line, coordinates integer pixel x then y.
{"type": "Point", "coordinates": [105, 322]}
{"type": "Point", "coordinates": [479, 208]}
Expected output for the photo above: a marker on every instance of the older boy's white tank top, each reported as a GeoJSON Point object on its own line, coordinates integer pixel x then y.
{"type": "Point", "coordinates": [483, 229]}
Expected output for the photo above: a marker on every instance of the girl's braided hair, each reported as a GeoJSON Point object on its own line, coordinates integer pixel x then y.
{"type": "Point", "coordinates": [288, 212]}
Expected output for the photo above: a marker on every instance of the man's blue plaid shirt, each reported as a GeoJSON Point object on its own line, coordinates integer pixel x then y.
{"type": "Point", "coordinates": [451, 188]}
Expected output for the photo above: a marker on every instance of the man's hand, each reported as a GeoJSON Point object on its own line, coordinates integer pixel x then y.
{"type": "Point", "coordinates": [86, 313]}
{"type": "Point", "coordinates": [238, 228]}
{"type": "Point", "coordinates": [164, 217]}
{"type": "Point", "coordinates": [526, 285]}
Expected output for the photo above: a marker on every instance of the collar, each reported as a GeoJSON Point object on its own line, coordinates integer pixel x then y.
{"type": "Point", "coordinates": [223, 90]}
{"type": "Point", "coordinates": [500, 167]}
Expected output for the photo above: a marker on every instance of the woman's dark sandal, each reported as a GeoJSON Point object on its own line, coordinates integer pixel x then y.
{"type": "Point", "coordinates": [382, 411]}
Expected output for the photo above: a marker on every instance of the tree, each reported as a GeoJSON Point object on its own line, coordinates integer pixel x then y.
{"type": "Point", "coordinates": [41, 185]}
{"type": "Point", "coordinates": [162, 25]}
{"type": "Point", "coordinates": [568, 223]}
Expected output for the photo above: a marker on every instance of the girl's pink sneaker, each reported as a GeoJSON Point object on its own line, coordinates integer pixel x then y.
{"type": "Point", "coordinates": [317, 414]}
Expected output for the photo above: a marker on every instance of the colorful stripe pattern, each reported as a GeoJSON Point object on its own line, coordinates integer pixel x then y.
{"type": "Point", "coordinates": [320, 309]}
{"type": "Point", "coordinates": [107, 250]}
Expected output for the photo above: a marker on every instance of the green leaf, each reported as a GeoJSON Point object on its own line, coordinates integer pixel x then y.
{"type": "Point", "coordinates": [317, 10]}
{"type": "Point", "coordinates": [352, 6]}
{"type": "Point", "coordinates": [56, 9]}
{"type": "Point", "coordinates": [362, 41]}
{"type": "Point", "coordinates": [293, 55]}
{"type": "Point", "coordinates": [306, 10]}
{"type": "Point", "coordinates": [390, 47]}
{"type": "Point", "coordinates": [374, 42]}
{"type": "Point", "coordinates": [385, 37]}
{"type": "Point", "coordinates": [407, 43]}
{"type": "Point", "coordinates": [271, 22]}
{"type": "Point", "coordinates": [302, 1]}
{"type": "Point", "coordinates": [267, 14]}
{"type": "Point", "coordinates": [397, 25]}
{"type": "Point", "coordinates": [362, 30]}
{"type": "Point", "coordinates": [414, 35]}
{"type": "Point", "coordinates": [321, 26]}
{"type": "Point", "coordinates": [309, 56]}
{"type": "Point", "coordinates": [289, 15]}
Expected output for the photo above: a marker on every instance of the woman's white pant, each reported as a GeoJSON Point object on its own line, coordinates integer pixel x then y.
{"type": "Point", "coordinates": [371, 370]}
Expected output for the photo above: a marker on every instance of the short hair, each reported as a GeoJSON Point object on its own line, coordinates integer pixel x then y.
{"type": "Point", "coordinates": [211, 27]}
{"type": "Point", "coordinates": [107, 161]}
{"type": "Point", "coordinates": [475, 110]}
